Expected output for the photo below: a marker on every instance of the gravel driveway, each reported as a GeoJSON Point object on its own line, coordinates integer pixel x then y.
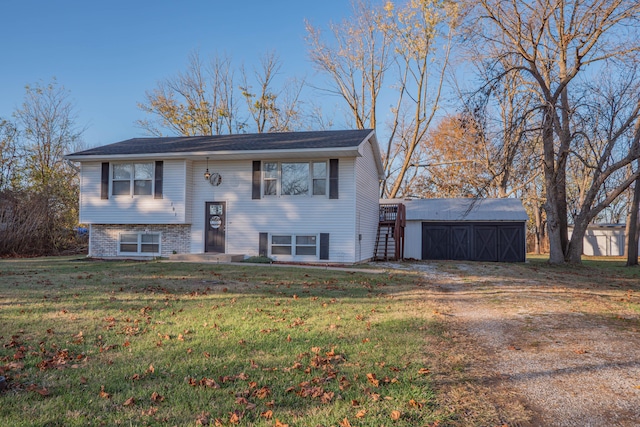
{"type": "Point", "coordinates": [536, 346]}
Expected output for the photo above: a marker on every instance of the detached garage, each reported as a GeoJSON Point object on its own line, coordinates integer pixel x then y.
{"type": "Point", "coordinates": [466, 229]}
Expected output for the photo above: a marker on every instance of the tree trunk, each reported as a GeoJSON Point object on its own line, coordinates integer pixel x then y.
{"type": "Point", "coordinates": [634, 225]}
{"type": "Point", "coordinates": [537, 215]}
{"type": "Point", "coordinates": [552, 205]}
{"type": "Point", "coordinates": [576, 244]}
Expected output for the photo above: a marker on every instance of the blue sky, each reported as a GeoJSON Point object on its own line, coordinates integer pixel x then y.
{"type": "Point", "coordinates": [107, 54]}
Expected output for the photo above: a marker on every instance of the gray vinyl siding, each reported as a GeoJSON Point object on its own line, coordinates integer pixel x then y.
{"type": "Point", "coordinates": [246, 218]}
{"type": "Point", "coordinates": [367, 202]}
{"type": "Point", "coordinates": [133, 210]}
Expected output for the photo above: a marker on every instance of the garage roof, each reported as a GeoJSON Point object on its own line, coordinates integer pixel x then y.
{"type": "Point", "coordinates": [464, 209]}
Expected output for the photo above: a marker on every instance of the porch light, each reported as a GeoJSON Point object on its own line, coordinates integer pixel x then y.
{"type": "Point", "coordinates": [207, 175]}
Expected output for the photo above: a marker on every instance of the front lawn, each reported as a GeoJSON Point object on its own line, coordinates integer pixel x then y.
{"type": "Point", "coordinates": [131, 343]}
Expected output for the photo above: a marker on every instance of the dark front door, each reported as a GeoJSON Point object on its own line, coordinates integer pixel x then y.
{"type": "Point", "coordinates": [215, 213]}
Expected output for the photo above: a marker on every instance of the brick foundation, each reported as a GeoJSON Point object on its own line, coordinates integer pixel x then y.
{"type": "Point", "coordinates": [104, 238]}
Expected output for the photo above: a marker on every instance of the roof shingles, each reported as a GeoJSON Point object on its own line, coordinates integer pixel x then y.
{"type": "Point", "coordinates": [229, 143]}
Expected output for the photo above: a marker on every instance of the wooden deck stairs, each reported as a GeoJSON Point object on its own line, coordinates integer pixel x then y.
{"type": "Point", "coordinates": [390, 238]}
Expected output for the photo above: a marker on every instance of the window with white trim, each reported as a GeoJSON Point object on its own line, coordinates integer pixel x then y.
{"type": "Point", "coordinates": [306, 245]}
{"type": "Point", "coordinates": [139, 243]}
{"type": "Point", "coordinates": [294, 178]}
{"type": "Point", "coordinates": [132, 179]}
{"type": "Point", "coordinates": [319, 178]}
{"type": "Point", "coordinates": [294, 245]}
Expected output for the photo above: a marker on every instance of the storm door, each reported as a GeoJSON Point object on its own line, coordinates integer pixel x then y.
{"type": "Point", "coordinates": [215, 213]}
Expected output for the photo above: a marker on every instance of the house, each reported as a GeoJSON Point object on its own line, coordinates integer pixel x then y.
{"type": "Point", "coordinates": [463, 229]}
{"type": "Point", "coordinates": [296, 196]}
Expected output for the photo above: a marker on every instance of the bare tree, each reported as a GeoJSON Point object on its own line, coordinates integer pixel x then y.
{"type": "Point", "coordinates": [551, 43]}
{"type": "Point", "coordinates": [357, 60]}
{"type": "Point", "coordinates": [412, 41]}
{"type": "Point", "coordinates": [47, 120]}
{"type": "Point", "coordinates": [633, 228]}
{"type": "Point", "coordinates": [8, 153]}
{"type": "Point", "coordinates": [198, 101]}
{"type": "Point", "coordinates": [40, 210]}
{"type": "Point", "coordinates": [272, 110]}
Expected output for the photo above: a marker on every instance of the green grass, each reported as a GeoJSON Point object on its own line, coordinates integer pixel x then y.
{"type": "Point", "coordinates": [132, 343]}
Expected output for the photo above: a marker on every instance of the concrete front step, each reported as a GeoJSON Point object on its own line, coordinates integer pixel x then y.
{"type": "Point", "coordinates": [208, 257]}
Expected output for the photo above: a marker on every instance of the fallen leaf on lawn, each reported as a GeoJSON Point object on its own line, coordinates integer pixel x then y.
{"type": "Point", "coordinates": [103, 394]}
{"type": "Point", "coordinates": [361, 413]}
{"type": "Point", "coordinates": [395, 415]}
{"type": "Point", "coordinates": [415, 404]}
{"type": "Point", "coordinates": [424, 371]}
{"type": "Point", "coordinates": [279, 424]}
{"type": "Point", "coordinates": [267, 414]}
{"type": "Point", "coordinates": [156, 397]}
{"type": "Point", "coordinates": [150, 412]}
{"type": "Point", "coordinates": [202, 419]}
{"type": "Point", "coordinates": [129, 402]}
{"type": "Point", "coordinates": [373, 380]}
{"type": "Point", "coordinates": [345, 423]}
{"type": "Point", "coordinates": [327, 397]}
{"type": "Point", "coordinates": [151, 369]}
{"type": "Point", "coordinates": [235, 417]}
{"type": "Point", "coordinates": [263, 392]}
{"type": "Point", "coordinates": [41, 391]}
{"type": "Point", "coordinates": [209, 382]}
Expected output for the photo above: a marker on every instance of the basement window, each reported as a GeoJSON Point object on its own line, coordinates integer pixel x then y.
{"type": "Point", "coordinates": [146, 244]}
{"type": "Point", "coordinates": [294, 245]}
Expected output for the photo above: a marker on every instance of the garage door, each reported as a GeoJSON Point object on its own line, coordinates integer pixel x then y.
{"type": "Point", "coordinates": [473, 241]}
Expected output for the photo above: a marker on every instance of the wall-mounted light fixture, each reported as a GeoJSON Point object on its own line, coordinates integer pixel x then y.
{"type": "Point", "coordinates": [207, 175]}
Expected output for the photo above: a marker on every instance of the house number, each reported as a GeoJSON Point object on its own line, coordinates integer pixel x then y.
{"type": "Point", "coordinates": [215, 222]}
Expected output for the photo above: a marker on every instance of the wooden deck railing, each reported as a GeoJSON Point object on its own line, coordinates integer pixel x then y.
{"type": "Point", "coordinates": [395, 214]}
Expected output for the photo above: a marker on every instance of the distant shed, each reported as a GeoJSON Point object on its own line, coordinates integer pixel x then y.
{"type": "Point", "coordinates": [466, 229]}
{"type": "Point", "coordinates": [604, 239]}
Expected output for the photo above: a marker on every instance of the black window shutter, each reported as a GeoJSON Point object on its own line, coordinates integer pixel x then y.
{"type": "Point", "coordinates": [255, 182]}
{"type": "Point", "coordinates": [263, 245]}
{"type": "Point", "coordinates": [333, 178]}
{"type": "Point", "coordinates": [324, 245]}
{"type": "Point", "coordinates": [104, 181]}
{"type": "Point", "coordinates": [157, 192]}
